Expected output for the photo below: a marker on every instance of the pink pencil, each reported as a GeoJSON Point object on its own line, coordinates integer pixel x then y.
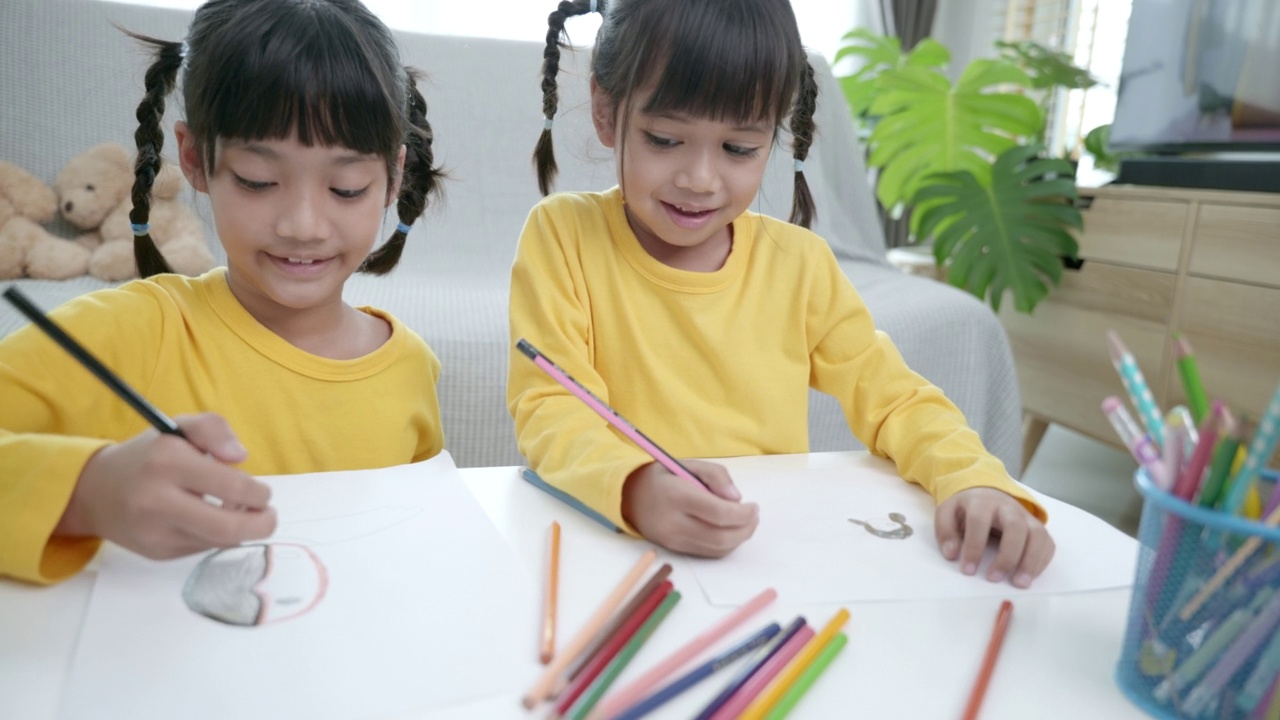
{"type": "Point", "coordinates": [1188, 483]}
{"type": "Point", "coordinates": [643, 685]}
{"type": "Point", "coordinates": [764, 675]}
{"type": "Point", "coordinates": [610, 415]}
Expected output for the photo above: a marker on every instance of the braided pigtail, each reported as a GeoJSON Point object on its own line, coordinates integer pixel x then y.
{"type": "Point", "coordinates": [802, 208]}
{"type": "Point", "coordinates": [421, 181]}
{"type": "Point", "coordinates": [544, 156]}
{"type": "Point", "coordinates": [149, 137]}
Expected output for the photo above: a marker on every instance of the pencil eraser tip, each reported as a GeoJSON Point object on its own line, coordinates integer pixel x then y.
{"type": "Point", "coordinates": [1111, 404]}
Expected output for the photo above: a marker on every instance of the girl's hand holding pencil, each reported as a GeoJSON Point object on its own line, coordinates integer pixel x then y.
{"type": "Point", "coordinates": [676, 514]}
{"type": "Point", "coordinates": [148, 493]}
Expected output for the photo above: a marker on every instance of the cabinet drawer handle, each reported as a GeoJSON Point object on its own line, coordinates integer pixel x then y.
{"type": "Point", "coordinates": [1072, 263]}
{"type": "Point", "coordinates": [1083, 202]}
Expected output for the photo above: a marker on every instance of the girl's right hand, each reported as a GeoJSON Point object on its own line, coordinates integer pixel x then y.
{"type": "Point", "coordinates": [683, 517]}
{"type": "Point", "coordinates": [147, 494]}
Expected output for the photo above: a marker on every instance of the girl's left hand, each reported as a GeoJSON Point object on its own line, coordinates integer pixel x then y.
{"type": "Point", "coordinates": [969, 518]}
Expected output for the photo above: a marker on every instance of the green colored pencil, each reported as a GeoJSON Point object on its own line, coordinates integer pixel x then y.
{"type": "Point", "coordinates": [1191, 382]}
{"type": "Point", "coordinates": [807, 678]}
{"type": "Point", "coordinates": [619, 663]}
{"type": "Point", "coordinates": [1215, 483]}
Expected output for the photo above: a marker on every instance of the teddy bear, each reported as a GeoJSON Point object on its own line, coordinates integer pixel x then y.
{"type": "Point", "coordinates": [93, 192]}
{"type": "Point", "coordinates": [26, 248]}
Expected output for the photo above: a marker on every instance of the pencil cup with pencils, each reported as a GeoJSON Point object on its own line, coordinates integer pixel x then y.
{"type": "Point", "coordinates": [1203, 634]}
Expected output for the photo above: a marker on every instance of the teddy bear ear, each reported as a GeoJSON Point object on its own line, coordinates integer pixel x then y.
{"type": "Point", "coordinates": [112, 153]}
{"type": "Point", "coordinates": [169, 182]}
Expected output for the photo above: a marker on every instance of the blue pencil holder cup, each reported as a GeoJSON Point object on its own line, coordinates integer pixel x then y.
{"type": "Point", "coordinates": [1203, 633]}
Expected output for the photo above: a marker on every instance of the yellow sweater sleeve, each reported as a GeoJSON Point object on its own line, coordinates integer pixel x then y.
{"type": "Point", "coordinates": [894, 411]}
{"type": "Point", "coordinates": [43, 447]}
{"type": "Point", "coordinates": [564, 441]}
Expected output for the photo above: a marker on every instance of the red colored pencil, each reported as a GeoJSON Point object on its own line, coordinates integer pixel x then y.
{"type": "Point", "coordinates": [575, 689]}
{"type": "Point", "coordinates": [989, 660]}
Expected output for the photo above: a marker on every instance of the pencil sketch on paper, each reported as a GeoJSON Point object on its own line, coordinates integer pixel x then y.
{"type": "Point", "coordinates": [256, 584]}
{"type": "Point", "coordinates": [263, 583]}
{"type": "Point", "coordinates": [902, 531]}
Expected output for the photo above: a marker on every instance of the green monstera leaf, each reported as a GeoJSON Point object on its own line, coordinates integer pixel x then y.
{"type": "Point", "coordinates": [926, 126]}
{"type": "Point", "coordinates": [1047, 68]}
{"type": "Point", "coordinates": [880, 53]}
{"type": "Point", "coordinates": [1010, 233]}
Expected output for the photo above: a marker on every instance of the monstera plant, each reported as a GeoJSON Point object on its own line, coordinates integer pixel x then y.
{"type": "Point", "coordinates": [966, 159]}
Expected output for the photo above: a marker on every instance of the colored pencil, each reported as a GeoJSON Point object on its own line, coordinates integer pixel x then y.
{"type": "Point", "coordinates": [1215, 482]}
{"type": "Point", "coordinates": [538, 692]}
{"type": "Point", "coordinates": [767, 699]}
{"type": "Point", "coordinates": [1190, 373]}
{"type": "Point", "coordinates": [619, 663]}
{"type": "Point", "coordinates": [533, 479]}
{"type": "Point", "coordinates": [989, 661]}
{"type": "Point", "coordinates": [806, 680]}
{"type": "Point", "coordinates": [1224, 573]}
{"type": "Point", "coordinates": [609, 415]}
{"type": "Point", "coordinates": [1136, 385]}
{"type": "Point", "coordinates": [1188, 482]}
{"type": "Point", "coordinates": [611, 629]}
{"type": "Point", "coordinates": [1146, 452]}
{"type": "Point", "coordinates": [693, 677]}
{"type": "Point", "coordinates": [634, 622]}
{"type": "Point", "coordinates": [1260, 450]}
{"type": "Point", "coordinates": [752, 668]}
{"type": "Point", "coordinates": [759, 681]}
{"type": "Point", "coordinates": [149, 412]}
{"type": "Point", "coordinates": [638, 688]}
{"type": "Point", "coordinates": [1242, 649]}
{"type": "Point", "coordinates": [548, 647]}
{"type": "Point", "coordinates": [1173, 455]}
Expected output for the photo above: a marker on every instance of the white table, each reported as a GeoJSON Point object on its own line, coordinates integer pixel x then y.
{"type": "Point", "coordinates": [904, 659]}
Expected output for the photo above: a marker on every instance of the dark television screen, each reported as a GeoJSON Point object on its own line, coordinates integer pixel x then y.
{"type": "Point", "coordinates": [1200, 75]}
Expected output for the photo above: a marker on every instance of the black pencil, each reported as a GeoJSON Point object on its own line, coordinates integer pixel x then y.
{"type": "Point", "coordinates": [157, 419]}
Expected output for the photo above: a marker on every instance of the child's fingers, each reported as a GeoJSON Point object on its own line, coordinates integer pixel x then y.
{"type": "Point", "coordinates": [946, 529]}
{"type": "Point", "coordinates": [716, 478]}
{"type": "Point", "coordinates": [234, 488]}
{"type": "Point", "coordinates": [698, 538]}
{"type": "Point", "coordinates": [1013, 541]}
{"type": "Point", "coordinates": [220, 527]}
{"type": "Point", "coordinates": [977, 531]}
{"type": "Point", "coordinates": [211, 434]}
{"type": "Point", "coordinates": [1040, 550]}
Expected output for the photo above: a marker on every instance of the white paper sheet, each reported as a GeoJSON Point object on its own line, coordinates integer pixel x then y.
{"type": "Point", "coordinates": [806, 547]}
{"type": "Point", "coordinates": [424, 600]}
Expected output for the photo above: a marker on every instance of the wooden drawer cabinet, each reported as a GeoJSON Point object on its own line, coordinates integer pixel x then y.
{"type": "Point", "coordinates": [1156, 261]}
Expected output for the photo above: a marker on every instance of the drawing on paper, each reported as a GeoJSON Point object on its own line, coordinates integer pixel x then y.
{"type": "Point", "coordinates": [902, 531]}
{"type": "Point", "coordinates": [263, 583]}
{"type": "Point", "coordinates": [256, 584]}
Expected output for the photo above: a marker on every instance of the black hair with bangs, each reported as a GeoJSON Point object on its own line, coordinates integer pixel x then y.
{"type": "Point", "coordinates": [328, 70]}
{"type": "Point", "coordinates": [723, 60]}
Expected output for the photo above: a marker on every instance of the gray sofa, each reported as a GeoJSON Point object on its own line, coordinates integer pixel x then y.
{"type": "Point", "coordinates": [69, 80]}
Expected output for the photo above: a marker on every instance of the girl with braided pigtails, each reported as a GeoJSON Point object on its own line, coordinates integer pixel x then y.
{"type": "Point", "coordinates": [705, 323]}
{"type": "Point", "coordinates": [303, 127]}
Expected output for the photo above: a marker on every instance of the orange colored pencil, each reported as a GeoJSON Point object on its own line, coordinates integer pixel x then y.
{"type": "Point", "coordinates": [549, 604]}
{"type": "Point", "coordinates": [538, 692]}
{"type": "Point", "coordinates": [989, 660]}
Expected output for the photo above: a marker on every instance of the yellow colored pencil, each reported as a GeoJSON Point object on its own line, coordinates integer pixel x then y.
{"type": "Point", "coordinates": [548, 646]}
{"type": "Point", "coordinates": [803, 659]}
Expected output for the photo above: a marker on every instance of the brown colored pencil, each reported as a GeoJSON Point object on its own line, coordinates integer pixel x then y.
{"type": "Point", "coordinates": [615, 623]}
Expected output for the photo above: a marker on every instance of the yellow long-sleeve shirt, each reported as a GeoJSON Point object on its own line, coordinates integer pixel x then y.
{"type": "Point", "coordinates": [188, 346]}
{"type": "Point", "coordinates": [714, 364]}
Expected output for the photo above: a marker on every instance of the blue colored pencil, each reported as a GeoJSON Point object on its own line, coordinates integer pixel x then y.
{"type": "Point", "coordinates": [532, 478]}
{"type": "Point", "coordinates": [762, 657]}
{"type": "Point", "coordinates": [661, 696]}
{"type": "Point", "coordinates": [1260, 450]}
{"type": "Point", "coordinates": [1136, 385]}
